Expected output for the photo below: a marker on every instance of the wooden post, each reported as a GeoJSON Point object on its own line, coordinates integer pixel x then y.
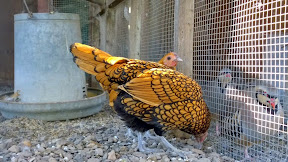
{"type": "Point", "coordinates": [185, 35]}
{"type": "Point", "coordinates": [102, 21]}
{"type": "Point", "coordinates": [135, 28]}
{"type": "Point", "coordinates": [43, 6]}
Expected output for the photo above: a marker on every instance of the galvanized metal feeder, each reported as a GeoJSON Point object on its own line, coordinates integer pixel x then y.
{"type": "Point", "coordinates": [50, 85]}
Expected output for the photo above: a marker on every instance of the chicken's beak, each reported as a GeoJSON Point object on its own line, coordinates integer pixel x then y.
{"type": "Point", "coordinates": [273, 105]}
{"type": "Point", "coordinates": [272, 102]}
{"type": "Point", "coordinates": [178, 59]}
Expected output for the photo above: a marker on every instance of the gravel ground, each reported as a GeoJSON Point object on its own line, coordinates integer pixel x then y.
{"type": "Point", "coordinates": [100, 137]}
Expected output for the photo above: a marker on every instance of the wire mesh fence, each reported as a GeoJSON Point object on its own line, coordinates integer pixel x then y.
{"type": "Point", "coordinates": [117, 36]}
{"type": "Point", "coordinates": [89, 24]}
{"type": "Point", "coordinates": [240, 58]}
{"type": "Point", "coordinates": [239, 52]}
{"type": "Point", "coordinates": [157, 35]}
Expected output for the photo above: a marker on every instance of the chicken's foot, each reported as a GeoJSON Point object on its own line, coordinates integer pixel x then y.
{"type": "Point", "coordinates": [141, 145]}
{"type": "Point", "coordinates": [148, 135]}
{"type": "Point", "coordinates": [247, 156]}
{"type": "Point", "coordinates": [129, 134]}
{"type": "Point", "coordinates": [181, 153]}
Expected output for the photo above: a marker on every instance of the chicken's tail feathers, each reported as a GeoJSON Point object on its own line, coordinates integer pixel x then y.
{"type": "Point", "coordinates": [95, 55]}
{"type": "Point", "coordinates": [98, 63]}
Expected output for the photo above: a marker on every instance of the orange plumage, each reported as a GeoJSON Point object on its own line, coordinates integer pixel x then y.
{"type": "Point", "coordinates": [170, 59]}
{"type": "Point", "coordinates": [147, 95]}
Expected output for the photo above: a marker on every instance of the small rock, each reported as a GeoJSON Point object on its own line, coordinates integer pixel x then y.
{"type": "Point", "coordinates": [140, 155]}
{"type": "Point", "coordinates": [110, 140]}
{"type": "Point", "coordinates": [78, 158]}
{"type": "Point", "coordinates": [25, 148]}
{"type": "Point", "coordinates": [226, 158]}
{"type": "Point", "coordinates": [204, 160]}
{"type": "Point", "coordinates": [36, 152]}
{"type": "Point", "coordinates": [14, 159]}
{"type": "Point", "coordinates": [152, 157]}
{"type": "Point", "coordinates": [26, 153]}
{"type": "Point", "coordinates": [91, 145]}
{"type": "Point", "coordinates": [22, 159]}
{"type": "Point", "coordinates": [215, 159]}
{"type": "Point", "coordinates": [31, 159]}
{"type": "Point", "coordinates": [78, 140]}
{"type": "Point", "coordinates": [99, 151]}
{"type": "Point", "coordinates": [9, 143]}
{"type": "Point", "coordinates": [165, 159]}
{"type": "Point", "coordinates": [65, 159]}
{"type": "Point", "coordinates": [122, 160]}
{"type": "Point", "coordinates": [200, 152]}
{"type": "Point", "coordinates": [174, 159]}
{"type": "Point", "coordinates": [26, 143]}
{"type": "Point", "coordinates": [42, 138]}
{"type": "Point", "coordinates": [123, 149]}
{"type": "Point", "coordinates": [68, 155]}
{"type": "Point", "coordinates": [43, 145]}
{"type": "Point", "coordinates": [51, 159]}
{"type": "Point", "coordinates": [89, 154]}
{"type": "Point", "coordinates": [40, 148]}
{"type": "Point", "coordinates": [89, 138]}
{"type": "Point", "coordinates": [2, 146]}
{"type": "Point", "coordinates": [60, 143]}
{"type": "Point", "coordinates": [93, 160]}
{"type": "Point", "coordinates": [14, 149]}
{"type": "Point", "coordinates": [111, 155]}
{"type": "Point", "coordinates": [192, 156]}
{"type": "Point", "coordinates": [210, 150]}
{"type": "Point", "coordinates": [133, 158]}
{"type": "Point", "coordinates": [190, 142]}
{"type": "Point", "coordinates": [115, 139]}
{"type": "Point", "coordinates": [105, 156]}
{"type": "Point", "coordinates": [79, 146]}
{"type": "Point", "coordinates": [142, 160]}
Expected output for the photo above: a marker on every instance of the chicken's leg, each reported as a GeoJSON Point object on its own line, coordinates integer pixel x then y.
{"type": "Point", "coordinates": [246, 153]}
{"type": "Point", "coordinates": [142, 147]}
{"type": "Point", "coordinates": [129, 134]}
{"type": "Point", "coordinates": [174, 149]}
{"type": "Point", "coordinates": [247, 156]}
{"type": "Point", "coordinates": [147, 135]}
{"type": "Point", "coordinates": [217, 129]}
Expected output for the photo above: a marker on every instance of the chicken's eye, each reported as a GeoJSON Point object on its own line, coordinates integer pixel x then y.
{"type": "Point", "coordinates": [168, 58]}
{"type": "Point", "coordinates": [264, 93]}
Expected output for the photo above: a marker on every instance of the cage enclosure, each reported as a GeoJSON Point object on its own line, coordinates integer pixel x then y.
{"type": "Point", "coordinates": [236, 50]}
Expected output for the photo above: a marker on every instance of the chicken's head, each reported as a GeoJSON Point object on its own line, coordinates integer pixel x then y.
{"type": "Point", "coordinates": [266, 98]}
{"type": "Point", "coordinates": [170, 59]}
{"type": "Point", "coordinates": [200, 138]}
{"type": "Point", "coordinates": [225, 76]}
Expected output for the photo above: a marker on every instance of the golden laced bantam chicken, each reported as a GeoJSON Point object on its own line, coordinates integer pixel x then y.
{"type": "Point", "coordinates": [259, 115]}
{"type": "Point", "coordinates": [148, 95]}
{"type": "Point", "coordinates": [171, 60]}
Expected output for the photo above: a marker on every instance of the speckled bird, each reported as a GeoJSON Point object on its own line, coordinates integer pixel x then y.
{"type": "Point", "coordinates": [148, 95]}
{"type": "Point", "coordinates": [259, 115]}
